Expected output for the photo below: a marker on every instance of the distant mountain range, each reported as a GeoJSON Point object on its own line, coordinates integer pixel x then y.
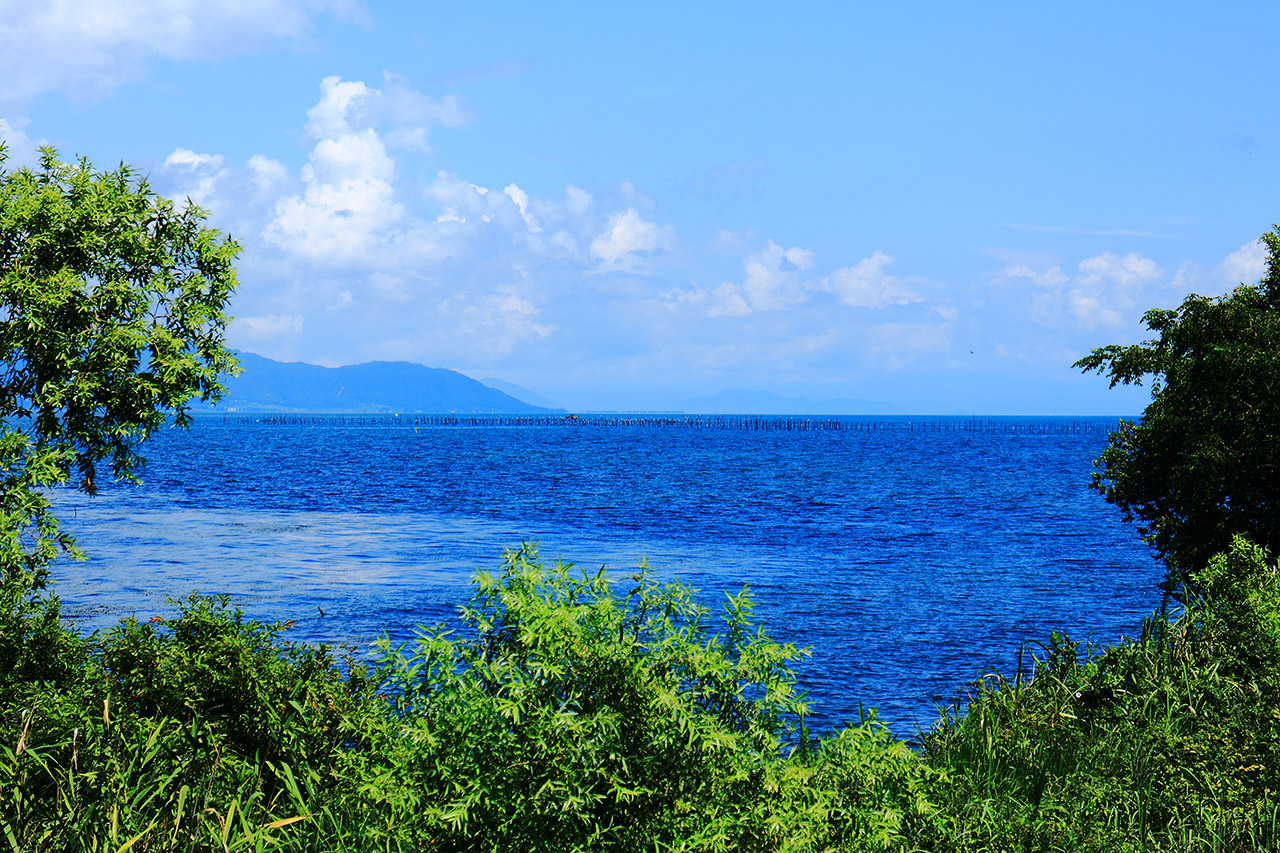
{"type": "Point", "coordinates": [739, 402]}
{"type": "Point", "coordinates": [522, 394]}
{"type": "Point", "coordinates": [380, 386]}
{"type": "Point", "coordinates": [265, 385]}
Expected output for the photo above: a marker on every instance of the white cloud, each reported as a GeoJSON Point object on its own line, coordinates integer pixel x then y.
{"type": "Point", "coordinates": [1052, 278]}
{"type": "Point", "coordinates": [578, 201]}
{"type": "Point", "coordinates": [268, 327]}
{"type": "Point", "coordinates": [348, 207]}
{"type": "Point", "coordinates": [21, 150]}
{"type": "Point", "coordinates": [495, 322]}
{"type": "Point", "coordinates": [410, 139]}
{"type": "Point", "coordinates": [91, 46]}
{"type": "Point", "coordinates": [348, 104]}
{"type": "Point", "coordinates": [475, 206]}
{"type": "Point", "coordinates": [727, 301]}
{"type": "Point", "coordinates": [628, 239]}
{"type": "Point", "coordinates": [339, 104]}
{"type": "Point", "coordinates": [1246, 265]}
{"type": "Point", "coordinates": [1127, 272]}
{"type": "Point", "coordinates": [267, 173]}
{"type": "Point", "coordinates": [571, 221]}
{"type": "Point", "coordinates": [1108, 286]}
{"type": "Point", "coordinates": [400, 104]}
{"type": "Point", "coordinates": [349, 212]}
{"type": "Point", "coordinates": [1107, 290]}
{"type": "Point", "coordinates": [865, 284]}
{"type": "Point", "coordinates": [199, 173]}
{"type": "Point", "coordinates": [190, 159]}
{"type": "Point", "coordinates": [521, 199]}
{"type": "Point", "coordinates": [772, 277]}
{"type": "Point", "coordinates": [775, 278]}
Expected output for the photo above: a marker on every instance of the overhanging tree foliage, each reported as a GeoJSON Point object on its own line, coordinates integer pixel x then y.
{"type": "Point", "coordinates": [112, 317]}
{"type": "Point", "coordinates": [1203, 462]}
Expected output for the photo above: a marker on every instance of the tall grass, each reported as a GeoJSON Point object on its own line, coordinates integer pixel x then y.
{"type": "Point", "coordinates": [1165, 742]}
{"type": "Point", "coordinates": [569, 711]}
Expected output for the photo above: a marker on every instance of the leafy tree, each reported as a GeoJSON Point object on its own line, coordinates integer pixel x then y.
{"type": "Point", "coordinates": [1203, 462]}
{"type": "Point", "coordinates": [111, 321]}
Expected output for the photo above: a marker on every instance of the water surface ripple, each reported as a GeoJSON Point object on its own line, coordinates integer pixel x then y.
{"type": "Point", "coordinates": [912, 557]}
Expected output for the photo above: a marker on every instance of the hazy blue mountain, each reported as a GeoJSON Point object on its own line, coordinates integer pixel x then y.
{"type": "Point", "coordinates": [380, 386]}
{"type": "Point", "coordinates": [523, 394]}
{"type": "Point", "coordinates": [740, 402]}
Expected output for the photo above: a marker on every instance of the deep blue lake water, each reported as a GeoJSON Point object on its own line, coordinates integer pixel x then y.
{"type": "Point", "coordinates": [913, 555]}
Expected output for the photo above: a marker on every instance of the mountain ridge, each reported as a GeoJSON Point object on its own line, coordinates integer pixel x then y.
{"type": "Point", "coordinates": [266, 385]}
{"type": "Point", "coordinates": [741, 401]}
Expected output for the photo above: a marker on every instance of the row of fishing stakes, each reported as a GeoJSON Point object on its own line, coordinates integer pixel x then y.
{"type": "Point", "coordinates": [734, 422]}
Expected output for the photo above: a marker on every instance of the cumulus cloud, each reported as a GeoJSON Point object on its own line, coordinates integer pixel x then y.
{"type": "Point", "coordinates": [496, 321]}
{"type": "Point", "coordinates": [21, 149]}
{"type": "Point", "coordinates": [267, 328]}
{"type": "Point", "coordinates": [199, 173]}
{"type": "Point", "coordinates": [339, 105]}
{"type": "Point", "coordinates": [463, 202]}
{"type": "Point", "coordinates": [348, 211]}
{"type": "Point", "coordinates": [345, 104]}
{"type": "Point", "coordinates": [629, 239]}
{"type": "Point", "coordinates": [92, 46]}
{"type": "Point", "coordinates": [353, 241]}
{"type": "Point", "coordinates": [866, 285]}
{"type": "Point", "coordinates": [521, 199]}
{"type": "Point", "coordinates": [1106, 290]}
{"type": "Point", "coordinates": [772, 279]}
{"type": "Point", "coordinates": [776, 277]}
{"type": "Point", "coordinates": [266, 173]}
{"type": "Point", "coordinates": [353, 256]}
{"type": "Point", "coordinates": [1245, 265]}
{"type": "Point", "coordinates": [348, 207]}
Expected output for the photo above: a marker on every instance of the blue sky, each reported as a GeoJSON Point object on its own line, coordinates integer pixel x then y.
{"type": "Point", "coordinates": [937, 207]}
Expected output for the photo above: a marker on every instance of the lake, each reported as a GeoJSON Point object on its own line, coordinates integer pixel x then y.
{"type": "Point", "coordinates": [913, 555]}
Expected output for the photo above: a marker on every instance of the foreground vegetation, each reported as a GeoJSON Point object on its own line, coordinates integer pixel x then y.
{"type": "Point", "coordinates": [569, 712]}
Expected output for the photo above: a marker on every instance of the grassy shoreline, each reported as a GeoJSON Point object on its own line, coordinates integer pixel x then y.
{"type": "Point", "coordinates": [589, 712]}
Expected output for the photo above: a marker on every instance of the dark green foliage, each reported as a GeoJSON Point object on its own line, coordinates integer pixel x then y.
{"type": "Point", "coordinates": [1203, 463]}
{"type": "Point", "coordinates": [1168, 742]}
{"type": "Point", "coordinates": [35, 647]}
{"type": "Point", "coordinates": [164, 730]}
{"type": "Point", "coordinates": [208, 664]}
{"type": "Point", "coordinates": [569, 717]}
{"type": "Point", "coordinates": [562, 717]}
{"type": "Point", "coordinates": [570, 713]}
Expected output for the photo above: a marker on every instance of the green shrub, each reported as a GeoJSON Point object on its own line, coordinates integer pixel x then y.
{"type": "Point", "coordinates": [562, 715]}
{"type": "Point", "coordinates": [570, 717]}
{"type": "Point", "coordinates": [1166, 742]}
{"type": "Point", "coordinates": [163, 731]}
{"type": "Point", "coordinates": [272, 700]}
